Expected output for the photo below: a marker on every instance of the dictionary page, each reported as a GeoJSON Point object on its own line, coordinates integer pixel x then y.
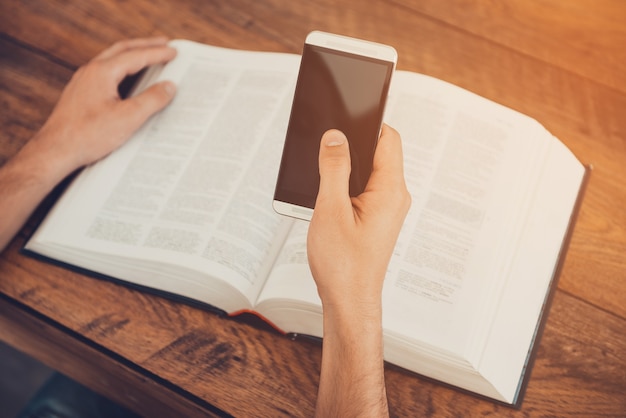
{"type": "Point", "coordinates": [189, 196]}
{"type": "Point", "coordinates": [493, 194]}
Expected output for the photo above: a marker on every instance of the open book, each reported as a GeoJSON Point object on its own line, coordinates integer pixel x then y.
{"type": "Point", "coordinates": [185, 207]}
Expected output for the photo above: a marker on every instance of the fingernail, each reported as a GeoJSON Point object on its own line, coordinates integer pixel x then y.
{"type": "Point", "coordinates": [334, 138]}
{"type": "Point", "coordinates": [170, 87]}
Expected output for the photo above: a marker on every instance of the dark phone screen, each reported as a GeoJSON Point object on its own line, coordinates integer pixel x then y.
{"type": "Point", "coordinates": [334, 90]}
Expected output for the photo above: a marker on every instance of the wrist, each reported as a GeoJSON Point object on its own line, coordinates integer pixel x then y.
{"type": "Point", "coordinates": [352, 316]}
{"type": "Point", "coordinates": [362, 295]}
{"type": "Point", "coordinates": [54, 159]}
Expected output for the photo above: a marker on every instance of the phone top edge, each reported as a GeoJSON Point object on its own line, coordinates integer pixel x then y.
{"type": "Point", "coordinates": [352, 45]}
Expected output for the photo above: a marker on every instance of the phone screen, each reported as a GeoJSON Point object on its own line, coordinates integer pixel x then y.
{"type": "Point", "coordinates": [340, 90]}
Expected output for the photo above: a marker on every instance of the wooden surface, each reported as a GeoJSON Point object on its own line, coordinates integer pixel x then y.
{"type": "Point", "coordinates": [562, 62]}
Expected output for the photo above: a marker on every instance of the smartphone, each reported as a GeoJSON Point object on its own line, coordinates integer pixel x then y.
{"type": "Point", "coordinates": [342, 84]}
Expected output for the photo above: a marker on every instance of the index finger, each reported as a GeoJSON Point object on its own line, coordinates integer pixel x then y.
{"type": "Point", "coordinates": [388, 165]}
{"type": "Point", "coordinates": [131, 61]}
{"type": "Point", "coordinates": [128, 44]}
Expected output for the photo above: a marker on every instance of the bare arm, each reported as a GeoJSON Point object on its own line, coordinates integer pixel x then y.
{"type": "Point", "coordinates": [89, 121]}
{"type": "Point", "coordinates": [350, 243]}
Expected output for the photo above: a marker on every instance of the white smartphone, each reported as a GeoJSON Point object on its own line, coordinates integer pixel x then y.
{"type": "Point", "coordinates": [342, 84]}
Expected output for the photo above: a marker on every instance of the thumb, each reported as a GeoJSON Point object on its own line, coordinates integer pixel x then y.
{"type": "Point", "coordinates": [334, 166]}
{"type": "Point", "coordinates": [150, 101]}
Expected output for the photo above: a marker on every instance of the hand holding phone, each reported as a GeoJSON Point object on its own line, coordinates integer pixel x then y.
{"type": "Point", "coordinates": [342, 84]}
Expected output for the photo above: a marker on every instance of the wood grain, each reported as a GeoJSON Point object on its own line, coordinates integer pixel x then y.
{"type": "Point", "coordinates": [585, 37]}
{"type": "Point", "coordinates": [86, 363]}
{"type": "Point", "coordinates": [30, 86]}
{"type": "Point", "coordinates": [557, 61]}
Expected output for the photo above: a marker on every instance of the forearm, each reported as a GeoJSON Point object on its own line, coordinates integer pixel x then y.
{"type": "Point", "coordinates": [24, 181]}
{"type": "Point", "coordinates": [352, 381]}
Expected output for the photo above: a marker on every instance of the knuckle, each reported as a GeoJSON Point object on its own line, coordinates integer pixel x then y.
{"type": "Point", "coordinates": [335, 163]}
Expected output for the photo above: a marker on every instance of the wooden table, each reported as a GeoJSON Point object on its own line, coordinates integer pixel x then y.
{"type": "Point", "coordinates": [562, 62]}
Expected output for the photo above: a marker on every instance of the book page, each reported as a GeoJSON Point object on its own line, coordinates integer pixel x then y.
{"type": "Point", "coordinates": [523, 301]}
{"type": "Point", "coordinates": [473, 168]}
{"type": "Point", "coordinates": [465, 167]}
{"type": "Point", "coordinates": [290, 288]}
{"type": "Point", "coordinates": [193, 187]}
